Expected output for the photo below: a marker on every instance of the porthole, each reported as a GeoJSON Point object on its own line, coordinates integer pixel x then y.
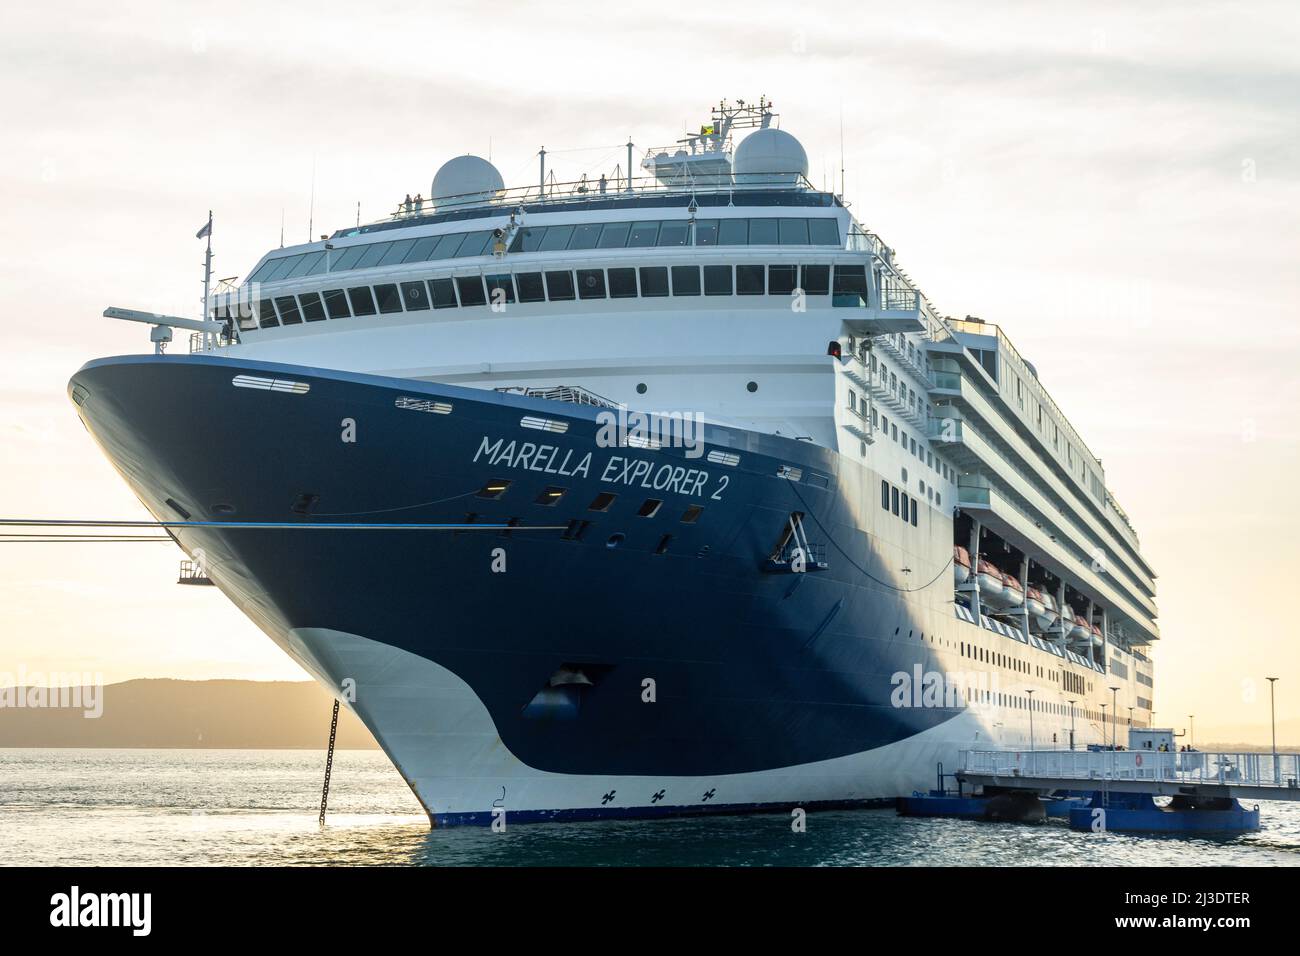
{"type": "Point", "coordinates": [752, 387]}
{"type": "Point", "coordinates": [640, 388]}
{"type": "Point", "coordinates": [615, 539]}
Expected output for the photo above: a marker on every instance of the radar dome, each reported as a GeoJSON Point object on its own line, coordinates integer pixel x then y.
{"type": "Point", "coordinates": [466, 179]}
{"type": "Point", "coordinates": [770, 156]}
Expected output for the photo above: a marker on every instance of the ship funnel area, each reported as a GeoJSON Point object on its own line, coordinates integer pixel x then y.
{"type": "Point", "coordinates": [466, 180]}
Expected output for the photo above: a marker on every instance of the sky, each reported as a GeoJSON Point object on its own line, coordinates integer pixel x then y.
{"type": "Point", "coordinates": [1116, 185]}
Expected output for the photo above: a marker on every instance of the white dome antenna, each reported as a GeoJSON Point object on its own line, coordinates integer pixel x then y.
{"type": "Point", "coordinates": [770, 157]}
{"type": "Point", "coordinates": [466, 180]}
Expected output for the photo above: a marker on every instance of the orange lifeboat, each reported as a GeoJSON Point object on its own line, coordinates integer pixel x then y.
{"type": "Point", "coordinates": [960, 565]}
{"type": "Point", "coordinates": [1013, 595]}
{"type": "Point", "coordinates": [990, 580]}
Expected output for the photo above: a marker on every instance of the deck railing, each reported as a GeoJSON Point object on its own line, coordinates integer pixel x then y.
{"type": "Point", "coordinates": [583, 190]}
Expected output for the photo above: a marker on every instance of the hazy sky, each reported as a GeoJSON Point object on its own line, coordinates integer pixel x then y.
{"type": "Point", "coordinates": [1117, 187]}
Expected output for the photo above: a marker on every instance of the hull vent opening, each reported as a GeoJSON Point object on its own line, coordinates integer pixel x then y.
{"type": "Point", "coordinates": [304, 502]}
{"type": "Point", "coordinates": [560, 698]}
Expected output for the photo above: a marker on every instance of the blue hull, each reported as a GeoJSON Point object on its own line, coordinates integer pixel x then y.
{"type": "Point", "coordinates": [753, 671]}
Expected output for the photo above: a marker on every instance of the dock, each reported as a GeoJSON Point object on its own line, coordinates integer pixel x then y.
{"type": "Point", "coordinates": [1202, 774]}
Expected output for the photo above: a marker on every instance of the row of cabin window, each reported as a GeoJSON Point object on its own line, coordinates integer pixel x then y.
{"type": "Point", "coordinates": [898, 502]}
{"type": "Point", "coordinates": [561, 286]}
{"type": "Point", "coordinates": [612, 235]}
{"type": "Point", "coordinates": [677, 232]}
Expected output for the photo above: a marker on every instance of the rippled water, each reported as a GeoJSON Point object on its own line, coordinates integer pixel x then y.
{"type": "Point", "coordinates": [223, 807]}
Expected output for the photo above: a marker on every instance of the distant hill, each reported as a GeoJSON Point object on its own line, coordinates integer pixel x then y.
{"type": "Point", "coordinates": [218, 714]}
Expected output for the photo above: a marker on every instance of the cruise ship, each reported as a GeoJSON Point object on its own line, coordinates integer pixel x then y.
{"type": "Point", "coordinates": [658, 493]}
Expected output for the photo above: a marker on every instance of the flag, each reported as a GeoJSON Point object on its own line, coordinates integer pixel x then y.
{"type": "Point", "coordinates": [706, 130]}
{"type": "Point", "coordinates": [205, 231]}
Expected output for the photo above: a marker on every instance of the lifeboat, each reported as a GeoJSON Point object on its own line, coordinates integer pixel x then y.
{"type": "Point", "coordinates": [1081, 631]}
{"type": "Point", "coordinates": [990, 580]}
{"type": "Point", "coordinates": [1013, 595]}
{"type": "Point", "coordinates": [960, 565]}
{"type": "Point", "coordinates": [1034, 602]}
{"type": "Point", "coordinates": [1098, 639]}
{"type": "Point", "coordinates": [1047, 618]}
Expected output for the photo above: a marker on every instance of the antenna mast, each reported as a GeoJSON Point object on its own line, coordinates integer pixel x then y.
{"type": "Point", "coordinates": [207, 269]}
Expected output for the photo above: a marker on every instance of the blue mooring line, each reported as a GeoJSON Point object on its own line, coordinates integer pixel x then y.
{"type": "Point", "coordinates": [276, 525]}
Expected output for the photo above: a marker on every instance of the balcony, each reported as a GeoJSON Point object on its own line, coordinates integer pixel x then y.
{"type": "Point", "coordinates": [899, 311]}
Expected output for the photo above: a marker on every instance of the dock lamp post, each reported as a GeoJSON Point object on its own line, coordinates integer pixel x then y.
{"type": "Point", "coordinates": [1114, 716]}
{"type": "Point", "coordinates": [1191, 732]}
{"type": "Point", "coordinates": [1031, 720]}
{"type": "Point", "coordinates": [1071, 703]}
{"type": "Point", "coordinates": [1272, 716]}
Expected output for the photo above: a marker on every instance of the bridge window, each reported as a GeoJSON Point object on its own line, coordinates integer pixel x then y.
{"type": "Point", "coordinates": [448, 245]}
{"type": "Point", "coordinates": [643, 234]}
{"type": "Point", "coordinates": [851, 282]}
{"type": "Point", "coordinates": [422, 249]}
{"type": "Point", "coordinates": [884, 495]}
{"type": "Point", "coordinates": [686, 280]}
{"type": "Point", "coordinates": [556, 238]}
{"type": "Point", "coordinates": [288, 307]}
{"type": "Point", "coordinates": [654, 281]}
{"type": "Point", "coordinates": [622, 283]}
{"type": "Point", "coordinates": [559, 286]}
{"type": "Point", "coordinates": [586, 236]}
{"type": "Point", "coordinates": [346, 259]}
{"type": "Point", "coordinates": [815, 280]}
{"type": "Point", "coordinates": [528, 240]}
{"type": "Point", "coordinates": [388, 299]}
{"type": "Point", "coordinates": [893, 500]}
{"type": "Point", "coordinates": [717, 280]}
{"type": "Point", "coordinates": [336, 304]}
{"type": "Point", "coordinates": [443, 293]}
{"type": "Point", "coordinates": [312, 308]}
{"type": "Point", "coordinates": [824, 232]}
{"type": "Point", "coordinates": [363, 303]}
{"type": "Point", "coordinates": [397, 252]}
{"type": "Point", "coordinates": [530, 287]}
{"type": "Point", "coordinates": [502, 282]}
{"type": "Point", "coordinates": [781, 280]}
{"type": "Point", "coordinates": [475, 244]}
{"type": "Point", "coordinates": [591, 283]}
{"type": "Point", "coordinates": [749, 280]}
{"type": "Point", "coordinates": [471, 290]}
{"type": "Point", "coordinates": [414, 296]}
{"type": "Point", "coordinates": [372, 255]}
{"type": "Point", "coordinates": [674, 233]}
{"type": "Point", "coordinates": [266, 316]}
{"type": "Point", "coordinates": [733, 232]}
{"type": "Point", "coordinates": [763, 232]}
{"type": "Point", "coordinates": [706, 232]}
{"type": "Point", "coordinates": [306, 265]}
{"type": "Point", "coordinates": [794, 232]}
{"type": "Point", "coordinates": [614, 235]}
